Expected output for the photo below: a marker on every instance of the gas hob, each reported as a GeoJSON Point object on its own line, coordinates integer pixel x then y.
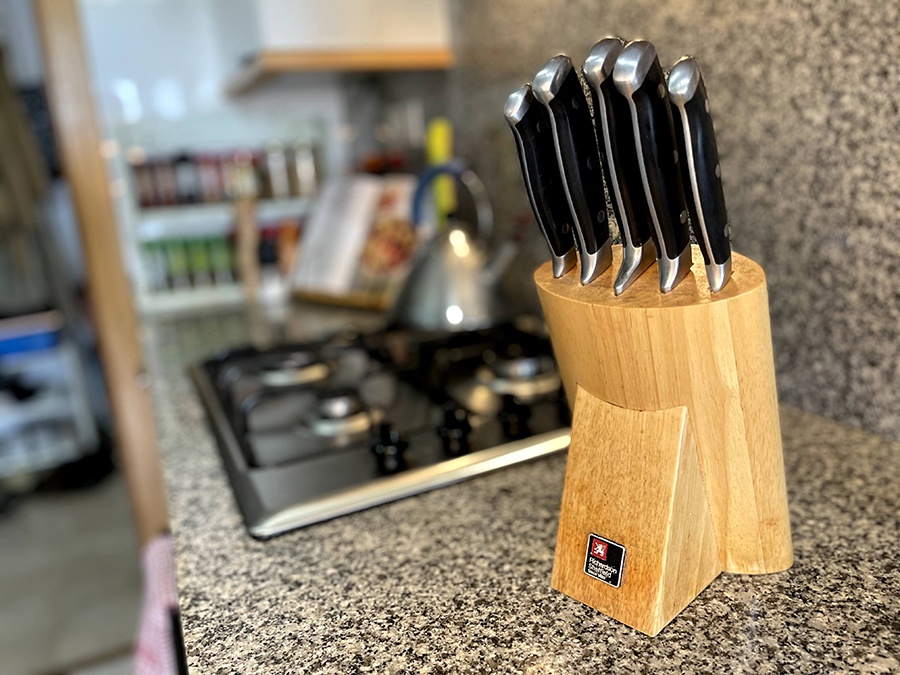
{"type": "Point", "coordinates": [309, 432]}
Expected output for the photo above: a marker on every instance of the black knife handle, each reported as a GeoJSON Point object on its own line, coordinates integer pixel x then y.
{"type": "Point", "coordinates": [616, 141]}
{"type": "Point", "coordinates": [530, 124]}
{"type": "Point", "coordinates": [640, 78]}
{"type": "Point", "coordinates": [557, 86]}
{"type": "Point", "coordinates": [700, 170]}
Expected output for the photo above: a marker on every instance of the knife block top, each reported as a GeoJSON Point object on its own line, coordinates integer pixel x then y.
{"type": "Point", "coordinates": [747, 278]}
{"type": "Point", "coordinates": [712, 354]}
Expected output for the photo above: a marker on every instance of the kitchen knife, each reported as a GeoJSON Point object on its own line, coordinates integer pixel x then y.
{"type": "Point", "coordinates": [530, 124]}
{"type": "Point", "coordinates": [612, 119]}
{"type": "Point", "coordinates": [701, 175]}
{"type": "Point", "coordinates": [557, 86]}
{"type": "Point", "coordinates": [640, 78]}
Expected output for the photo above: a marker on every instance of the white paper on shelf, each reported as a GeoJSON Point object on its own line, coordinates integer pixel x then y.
{"type": "Point", "coordinates": [334, 237]}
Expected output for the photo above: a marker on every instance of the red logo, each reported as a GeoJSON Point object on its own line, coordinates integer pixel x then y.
{"type": "Point", "coordinates": [599, 549]}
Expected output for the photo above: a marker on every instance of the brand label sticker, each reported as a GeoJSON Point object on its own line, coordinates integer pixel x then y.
{"type": "Point", "coordinates": [605, 560]}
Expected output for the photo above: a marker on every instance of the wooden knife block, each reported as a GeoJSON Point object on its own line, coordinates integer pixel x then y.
{"type": "Point", "coordinates": [676, 446]}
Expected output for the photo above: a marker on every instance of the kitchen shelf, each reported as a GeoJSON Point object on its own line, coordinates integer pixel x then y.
{"type": "Point", "coordinates": [18, 458]}
{"type": "Point", "coordinates": [188, 299]}
{"type": "Point", "coordinates": [46, 405]}
{"type": "Point", "coordinates": [267, 64]}
{"type": "Point", "coordinates": [209, 220]}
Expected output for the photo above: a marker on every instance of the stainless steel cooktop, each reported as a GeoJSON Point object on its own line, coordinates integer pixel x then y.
{"type": "Point", "coordinates": [312, 431]}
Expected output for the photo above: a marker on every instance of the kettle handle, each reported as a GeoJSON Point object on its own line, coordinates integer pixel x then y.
{"type": "Point", "coordinates": [483, 210]}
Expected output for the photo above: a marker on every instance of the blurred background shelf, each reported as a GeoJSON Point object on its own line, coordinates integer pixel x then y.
{"type": "Point", "coordinates": [279, 37]}
{"type": "Point", "coordinates": [182, 300]}
{"type": "Point", "coordinates": [210, 220]}
{"type": "Point", "coordinates": [266, 65]}
{"type": "Point", "coordinates": [46, 418]}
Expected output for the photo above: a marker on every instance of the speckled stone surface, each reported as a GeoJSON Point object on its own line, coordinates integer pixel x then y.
{"type": "Point", "coordinates": [457, 580]}
{"type": "Point", "coordinates": [806, 100]}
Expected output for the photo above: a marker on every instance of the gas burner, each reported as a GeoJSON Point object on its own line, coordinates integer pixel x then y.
{"type": "Point", "coordinates": [293, 369]}
{"type": "Point", "coordinates": [342, 413]}
{"type": "Point", "coordinates": [524, 377]}
{"type": "Point", "coordinates": [522, 367]}
{"type": "Point", "coordinates": [336, 405]}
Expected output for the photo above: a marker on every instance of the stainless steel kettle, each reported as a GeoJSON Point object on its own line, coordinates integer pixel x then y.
{"type": "Point", "coordinates": [453, 284]}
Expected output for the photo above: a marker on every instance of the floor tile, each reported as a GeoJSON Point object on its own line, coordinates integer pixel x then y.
{"type": "Point", "coordinates": [70, 582]}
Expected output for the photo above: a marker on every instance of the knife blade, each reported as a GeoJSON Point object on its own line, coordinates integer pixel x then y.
{"type": "Point", "coordinates": [557, 86]}
{"type": "Point", "coordinates": [639, 77]}
{"type": "Point", "coordinates": [701, 174]}
{"type": "Point", "coordinates": [612, 119]}
{"type": "Point", "coordinates": [530, 124]}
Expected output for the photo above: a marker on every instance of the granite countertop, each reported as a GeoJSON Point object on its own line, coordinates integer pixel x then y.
{"type": "Point", "coordinates": [458, 580]}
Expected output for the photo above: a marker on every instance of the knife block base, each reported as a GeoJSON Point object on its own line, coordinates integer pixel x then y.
{"type": "Point", "coordinates": [633, 478]}
{"type": "Point", "coordinates": [645, 352]}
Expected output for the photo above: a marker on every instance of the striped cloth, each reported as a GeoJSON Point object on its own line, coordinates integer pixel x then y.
{"type": "Point", "coordinates": [155, 653]}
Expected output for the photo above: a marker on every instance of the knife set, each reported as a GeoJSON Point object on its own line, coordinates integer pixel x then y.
{"type": "Point", "coordinates": [656, 171]}
{"type": "Point", "coordinates": [675, 469]}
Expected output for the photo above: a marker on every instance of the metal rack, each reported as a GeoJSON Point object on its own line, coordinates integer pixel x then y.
{"type": "Point", "coordinates": [46, 417]}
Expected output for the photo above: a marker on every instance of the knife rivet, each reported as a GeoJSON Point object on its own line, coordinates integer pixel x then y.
{"type": "Point", "coordinates": [661, 90]}
{"type": "Point", "coordinates": [683, 217]}
{"type": "Point", "coordinates": [718, 170]}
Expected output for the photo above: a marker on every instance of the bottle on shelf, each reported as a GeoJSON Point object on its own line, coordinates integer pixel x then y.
{"type": "Point", "coordinates": [209, 173]}
{"type": "Point", "coordinates": [189, 263]}
{"type": "Point", "coordinates": [165, 184]}
{"type": "Point", "coordinates": [304, 174]}
{"type": "Point", "coordinates": [277, 174]}
{"type": "Point", "coordinates": [221, 260]}
{"type": "Point", "coordinates": [187, 180]}
{"type": "Point", "coordinates": [200, 264]}
{"type": "Point", "coordinates": [279, 171]}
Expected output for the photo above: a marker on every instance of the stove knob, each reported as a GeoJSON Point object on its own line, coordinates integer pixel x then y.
{"type": "Point", "coordinates": [389, 448]}
{"type": "Point", "coordinates": [454, 431]}
{"type": "Point", "coordinates": [514, 418]}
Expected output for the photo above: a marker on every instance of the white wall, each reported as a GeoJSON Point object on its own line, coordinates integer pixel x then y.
{"type": "Point", "coordinates": [160, 67]}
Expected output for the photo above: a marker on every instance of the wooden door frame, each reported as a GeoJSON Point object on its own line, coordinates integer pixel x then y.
{"type": "Point", "coordinates": [78, 137]}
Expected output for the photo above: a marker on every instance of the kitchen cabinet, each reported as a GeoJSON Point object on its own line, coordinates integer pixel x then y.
{"type": "Point", "coordinates": [284, 36]}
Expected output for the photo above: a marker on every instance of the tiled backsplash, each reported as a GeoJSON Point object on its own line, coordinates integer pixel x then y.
{"type": "Point", "coordinates": [805, 96]}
